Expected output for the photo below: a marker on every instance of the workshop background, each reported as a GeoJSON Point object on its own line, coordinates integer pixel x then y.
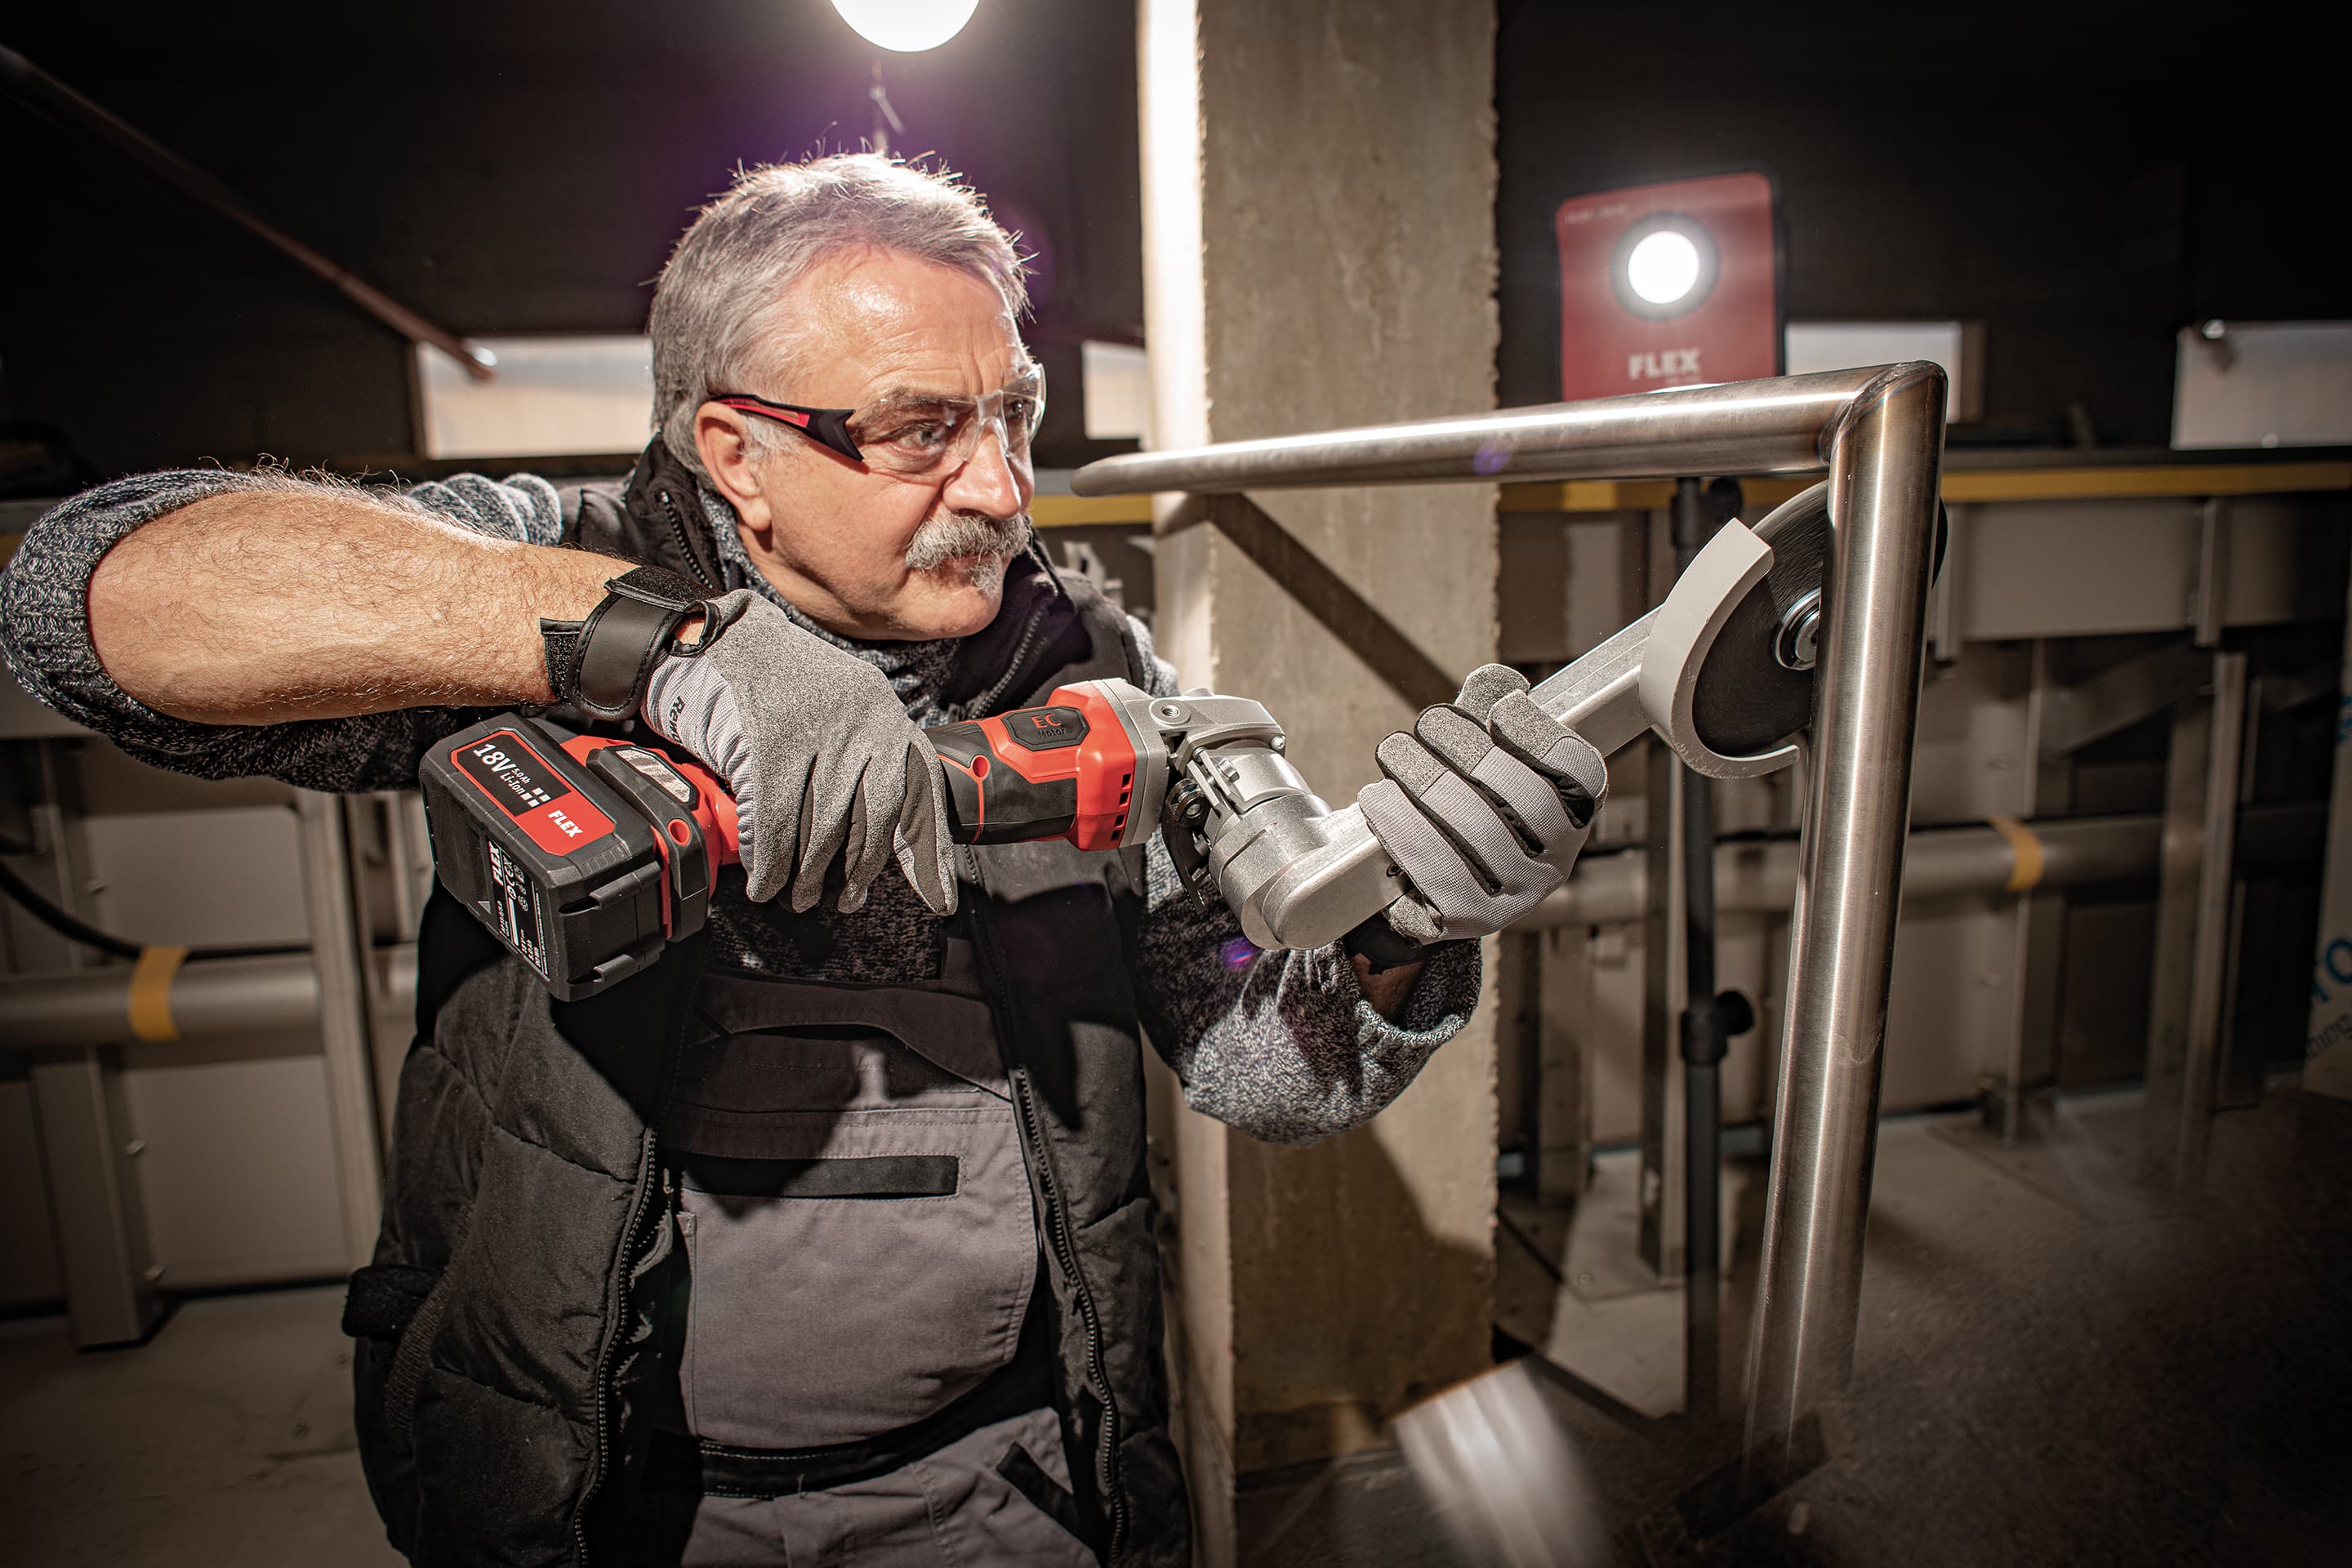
{"type": "Point", "coordinates": [2094, 1328]}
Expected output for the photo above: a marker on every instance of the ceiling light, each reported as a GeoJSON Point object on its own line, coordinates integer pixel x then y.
{"type": "Point", "coordinates": [907, 26]}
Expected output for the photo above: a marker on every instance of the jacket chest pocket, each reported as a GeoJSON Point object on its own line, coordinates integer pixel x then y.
{"type": "Point", "coordinates": [859, 1237]}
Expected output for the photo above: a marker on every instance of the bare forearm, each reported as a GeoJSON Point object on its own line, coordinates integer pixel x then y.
{"type": "Point", "coordinates": [255, 607]}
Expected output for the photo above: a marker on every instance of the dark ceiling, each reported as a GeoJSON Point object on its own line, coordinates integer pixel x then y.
{"type": "Point", "coordinates": [2080, 182]}
{"type": "Point", "coordinates": [514, 167]}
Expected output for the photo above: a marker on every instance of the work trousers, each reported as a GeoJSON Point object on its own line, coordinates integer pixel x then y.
{"type": "Point", "coordinates": [969, 1505]}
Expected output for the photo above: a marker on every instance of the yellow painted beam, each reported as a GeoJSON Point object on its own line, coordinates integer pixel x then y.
{"type": "Point", "coordinates": [1074, 511]}
{"type": "Point", "coordinates": [2158, 480]}
{"type": "Point", "coordinates": [2154, 480]}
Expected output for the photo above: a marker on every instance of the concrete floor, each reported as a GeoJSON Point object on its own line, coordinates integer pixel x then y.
{"type": "Point", "coordinates": [225, 1440]}
{"type": "Point", "coordinates": [2056, 1366]}
{"type": "Point", "coordinates": [2056, 1363]}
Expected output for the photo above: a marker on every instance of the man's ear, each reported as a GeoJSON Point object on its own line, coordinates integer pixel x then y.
{"type": "Point", "coordinates": [727, 457]}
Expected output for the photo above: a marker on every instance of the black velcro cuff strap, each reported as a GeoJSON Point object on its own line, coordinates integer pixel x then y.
{"type": "Point", "coordinates": [601, 665]}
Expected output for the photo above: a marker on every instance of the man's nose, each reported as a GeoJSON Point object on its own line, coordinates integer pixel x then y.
{"type": "Point", "coordinates": [986, 483]}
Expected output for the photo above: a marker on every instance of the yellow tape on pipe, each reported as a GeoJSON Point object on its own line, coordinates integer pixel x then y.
{"type": "Point", "coordinates": [150, 993]}
{"type": "Point", "coordinates": [2024, 852]}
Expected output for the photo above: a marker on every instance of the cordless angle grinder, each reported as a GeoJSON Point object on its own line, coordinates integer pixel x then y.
{"type": "Point", "coordinates": [586, 855]}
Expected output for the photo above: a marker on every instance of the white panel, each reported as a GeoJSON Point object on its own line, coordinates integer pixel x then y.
{"type": "Point", "coordinates": [2262, 383]}
{"type": "Point", "coordinates": [550, 397]}
{"type": "Point", "coordinates": [1809, 346]}
{"type": "Point", "coordinates": [1118, 390]}
{"type": "Point", "coordinates": [2086, 568]}
{"type": "Point", "coordinates": [225, 878]}
{"type": "Point", "coordinates": [1969, 760]}
{"type": "Point", "coordinates": [238, 1170]}
{"type": "Point", "coordinates": [1948, 1009]}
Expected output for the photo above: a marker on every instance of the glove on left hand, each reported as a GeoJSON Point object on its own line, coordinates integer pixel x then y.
{"type": "Point", "coordinates": [1486, 806]}
{"type": "Point", "coordinates": [818, 752]}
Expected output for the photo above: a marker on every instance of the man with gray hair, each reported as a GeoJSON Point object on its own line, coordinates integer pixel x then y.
{"type": "Point", "coordinates": [829, 1233]}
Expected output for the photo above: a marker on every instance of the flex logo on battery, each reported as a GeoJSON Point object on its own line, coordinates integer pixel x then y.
{"type": "Point", "coordinates": [532, 791]}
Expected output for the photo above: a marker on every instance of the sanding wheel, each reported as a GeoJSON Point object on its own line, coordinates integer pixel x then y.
{"type": "Point", "coordinates": [1729, 675]}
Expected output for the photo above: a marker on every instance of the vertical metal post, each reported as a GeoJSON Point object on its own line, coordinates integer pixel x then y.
{"type": "Point", "coordinates": [335, 948]}
{"type": "Point", "coordinates": [1663, 997]}
{"type": "Point", "coordinates": [2037, 948]}
{"type": "Point", "coordinates": [1664, 1137]}
{"type": "Point", "coordinates": [2212, 570]}
{"type": "Point", "coordinates": [1885, 463]}
{"type": "Point", "coordinates": [2193, 903]}
{"type": "Point", "coordinates": [87, 1153]}
{"type": "Point", "coordinates": [1703, 1029]}
{"type": "Point", "coordinates": [1705, 1025]}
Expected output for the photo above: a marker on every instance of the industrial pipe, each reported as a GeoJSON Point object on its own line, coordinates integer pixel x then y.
{"type": "Point", "coordinates": [1611, 887]}
{"type": "Point", "coordinates": [219, 998]}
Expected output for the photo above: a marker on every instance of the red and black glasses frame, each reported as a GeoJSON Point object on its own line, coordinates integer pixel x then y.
{"type": "Point", "coordinates": [829, 428]}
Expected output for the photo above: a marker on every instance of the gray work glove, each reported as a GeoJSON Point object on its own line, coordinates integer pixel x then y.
{"type": "Point", "coordinates": [818, 752]}
{"type": "Point", "coordinates": [1483, 809]}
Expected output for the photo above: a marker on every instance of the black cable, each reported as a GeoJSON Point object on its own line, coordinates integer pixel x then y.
{"type": "Point", "coordinates": [73, 929]}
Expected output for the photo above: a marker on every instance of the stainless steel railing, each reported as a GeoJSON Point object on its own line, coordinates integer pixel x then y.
{"type": "Point", "coordinates": [1880, 434]}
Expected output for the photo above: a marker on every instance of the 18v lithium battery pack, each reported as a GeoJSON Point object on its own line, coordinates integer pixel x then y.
{"type": "Point", "coordinates": [585, 856]}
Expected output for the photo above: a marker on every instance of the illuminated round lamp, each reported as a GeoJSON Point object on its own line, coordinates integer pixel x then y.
{"type": "Point", "coordinates": [1665, 265]}
{"type": "Point", "coordinates": [907, 26]}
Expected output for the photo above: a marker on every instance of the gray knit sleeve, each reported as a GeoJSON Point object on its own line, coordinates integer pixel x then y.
{"type": "Point", "coordinates": [1281, 1045]}
{"type": "Point", "coordinates": [45, 643]}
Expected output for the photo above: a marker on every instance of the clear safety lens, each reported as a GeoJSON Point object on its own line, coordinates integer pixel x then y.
{"type": "Point", "coordinates": [919, 438]}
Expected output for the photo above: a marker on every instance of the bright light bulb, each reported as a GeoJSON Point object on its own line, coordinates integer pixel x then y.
{"type": "Point", "coordinates": [909, 27]}
{"type": "Point", "coordinates": [1663, 268]}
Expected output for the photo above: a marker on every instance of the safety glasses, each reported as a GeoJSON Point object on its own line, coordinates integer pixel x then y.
{"type": "Point", "coordinates": [914, 436]}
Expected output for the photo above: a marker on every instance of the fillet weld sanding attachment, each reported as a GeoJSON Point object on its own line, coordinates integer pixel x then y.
{"type": "Point", "coordinates": [587, 855]}
{"type": "Point", "coordinates": [1723, 670]}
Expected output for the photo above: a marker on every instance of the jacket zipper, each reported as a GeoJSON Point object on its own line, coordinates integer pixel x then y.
{"type": "Point", "coordinates": [616, 1304]}
{"type": "Point", "coordinates": [616, 1301]}
{"type": "Point", "coordinates": [684, 540]}
{"type": "Point", "coordinates": [1065, 1250]}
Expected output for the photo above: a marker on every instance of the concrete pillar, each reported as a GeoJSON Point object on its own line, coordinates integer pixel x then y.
{"type": "Point", "coordinates": [1318, 183]}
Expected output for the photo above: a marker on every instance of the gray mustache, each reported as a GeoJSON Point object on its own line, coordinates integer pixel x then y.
{"type": "Point", "coordinates": [943, 539]}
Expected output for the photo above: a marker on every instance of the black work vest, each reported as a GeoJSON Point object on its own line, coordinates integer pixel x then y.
{"type": "Point", "coordinates": [509, 1325]}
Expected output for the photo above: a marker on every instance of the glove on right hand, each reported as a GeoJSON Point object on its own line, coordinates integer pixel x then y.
{"type": "Point", "coordinates": [818, 752]}
{"type": "Point", "coordinates": [1484, 807]}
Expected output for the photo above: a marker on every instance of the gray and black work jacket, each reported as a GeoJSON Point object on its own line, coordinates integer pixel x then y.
{"type": "Point", "coordinates": [510, 1326]}
{"type": "Point", "coordinates": [502, 1406]}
